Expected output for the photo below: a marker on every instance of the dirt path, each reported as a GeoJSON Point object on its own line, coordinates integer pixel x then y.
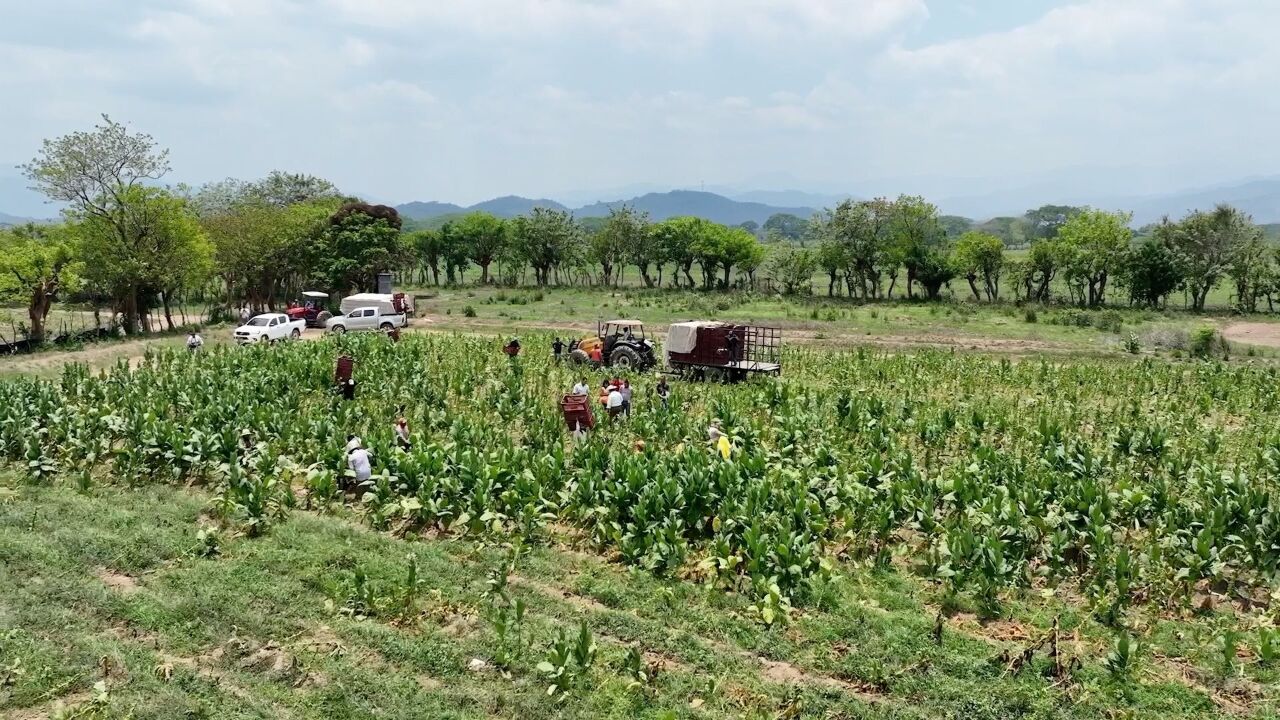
{"type": "Point", "coordinates": [1253, 333]}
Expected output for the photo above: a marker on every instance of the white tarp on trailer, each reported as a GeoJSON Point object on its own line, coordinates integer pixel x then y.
{"type": "Point", "coordinates": [363, 300]}
{"type": "Point", "coordinates": [683, 337]}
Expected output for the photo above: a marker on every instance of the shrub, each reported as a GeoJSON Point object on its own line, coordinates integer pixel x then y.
{"type": "Point", "coordinates": [1029, 316]}
{"type": "Point", "coordinates": [1131, 344]}
{"type": "Point", "coordinates": [469, 311]}
{"type": "Point", "coordinates": [1109, 321]}
{"type": "Point", "coordinates": [1204, 341]}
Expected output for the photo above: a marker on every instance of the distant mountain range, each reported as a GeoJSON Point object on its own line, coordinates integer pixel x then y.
{"type": "Point", "coordinates": [660, 206]}
{"type": "Point", "coordinates": [7, 220]}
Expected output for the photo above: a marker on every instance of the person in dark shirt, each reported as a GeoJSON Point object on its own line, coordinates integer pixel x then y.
{"type": "Point", "coordinates": [734, 345]}
{"type": "Point", "coordinates": [557, 348]}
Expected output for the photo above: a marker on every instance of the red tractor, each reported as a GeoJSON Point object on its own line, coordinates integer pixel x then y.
{"type": "Point", "coordinates": [311, 308]}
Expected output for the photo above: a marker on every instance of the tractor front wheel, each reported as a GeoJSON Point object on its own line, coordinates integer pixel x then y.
{"type": "Point", "coordinates": [579, 357]}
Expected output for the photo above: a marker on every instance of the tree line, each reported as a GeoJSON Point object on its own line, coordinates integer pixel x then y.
{"type": "Point", "coordinates": [131, 245]}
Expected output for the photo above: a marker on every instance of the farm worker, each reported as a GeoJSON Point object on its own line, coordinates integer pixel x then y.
{"type": "Point", "coordinates": [626, 397]}
{"type": "Point", "coordinates": [597, 356]}
{"type": "Point", "coordinates": [512, 348]}
{"type": "Point", "coordinates": [358, 460]}
{"type": "Point", "coordinates": [248, 450]}
{"type": "Point", "coordinates": [244, 313]}
{"type": "Point", "coordinates": [581, 387]}
{"type": "Point", "coordinates": [402, 431]}
{"type": "Point", "coordinates": [557, 348]}
{"type": "Point", "coordinates": [723, 446]}
{"type": "Point", "coordinates": [194, 341]}
{"type": "Point", "coordinates": [664, 391]}
{"type": "Point", "coordinates": [732, 344]}
{"type": "Point", "coordinates": [614, 402]}
{"type": "Point", "coordinates": [578, 433]}
{"type": "Point", "coordinates": [604, 393]}
{"type": "Point", "coordinates": [349, 389]}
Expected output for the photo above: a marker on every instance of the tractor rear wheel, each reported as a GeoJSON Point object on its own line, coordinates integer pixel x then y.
{"type": "Point", "coordinates": [626, 358]}
{"type": "Point", "coordinates": [578, 357]}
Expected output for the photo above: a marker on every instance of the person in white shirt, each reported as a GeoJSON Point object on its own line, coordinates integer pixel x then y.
{"type": "Point", "coordinates": [358, 460]}
{"type": "Point", "coordinates": [614, 403]}
{"type": "Point", "coordinates": [194, 341]}
{"type": "Point", "coordinates": [582, 388]}
{"type": "Point", "coordinates": [401, 427]}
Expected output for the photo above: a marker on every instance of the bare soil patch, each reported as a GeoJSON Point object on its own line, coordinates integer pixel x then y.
{"type": "Point", "coordinates": [1253, 333]}
{"type": "Point", "coordinates": [119, 582]}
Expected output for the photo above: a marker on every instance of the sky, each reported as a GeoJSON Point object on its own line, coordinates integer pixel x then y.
{"type": "Point", "coordinates": [462, 100]}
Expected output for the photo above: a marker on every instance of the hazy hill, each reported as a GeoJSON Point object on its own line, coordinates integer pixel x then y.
{"type": "Point", "coordinates": [7, 220]}
{"type": "Point", "coordinates": [1259, 198]}
{"type": "Point", "coordinates": [423, 210]}
{"type": "Point", "coordinates": [513, 205]}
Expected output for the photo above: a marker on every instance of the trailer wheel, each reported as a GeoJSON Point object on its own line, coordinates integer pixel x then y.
{"type": "Point", "coordinates": [625, 358]}
{"type": "Point", "coordinates": [578, 357]}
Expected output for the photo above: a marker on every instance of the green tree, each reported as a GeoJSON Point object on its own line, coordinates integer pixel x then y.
{"type": "Point", "coordinates": [1041, 267]}
{"type": "Point", "coordinates": [261, 248]}
{"type": "Point", "coordinates": [954, 225]}
{"type": "Point", "coordinates": [980, 255]}
{"type": "Point", "coordinates": [675, 240]}
{"type": "Point", "coordinates": [1205, 243]}
{"type": "Point", "coordinates": [96, 174]}
{"type": "Point", "coordinates": [1095, 244]}
{"type": "Point", "coordinates": [789, 226]}
{"type": "Point", "coordinates": [742, 250]}
{"type": "Point", "coordinates": [862, 229]}
{"type": "Point", "coordinates": [428, 249]}
{"type": "Point", "coordinates": [37, 265]}
{"type": "Point", "coordinates": [917, 238]}
{"type": "Point", "coordinates": [160, 251]}
{"type": "Point", "coordinates": [624, 237]}
{"type": "Point", "coordinates": [792, 267]}
{"type": "Point", "coordinates": [361, 241]}
{"type": "Point", "coordinates": [1046, 221]}
{"type": "Point", "coordinates": [1250, 268]}
{"type": "Point", "coordinates": [484, 236]}
{"type": "Point", "coordinates": [1152, 271]}
{"type": "Point", "coordinates": [547, 239]}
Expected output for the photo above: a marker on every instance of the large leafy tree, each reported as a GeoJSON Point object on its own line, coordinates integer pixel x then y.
{"type": "Point", "coordinates": [360, 241]}
{"type": "Point", "coordinates": [1046, 221]}
{"type": "Point", "coordinates": [159, 252]}
{"type": "Point", "coordinates": [791, 227]}
{"type": "Point", "coordinates": [917, 238]}
{"type": "Point", "coordinates": [741, 249]}
{"type": "Point", "coordinates": [1095, 243]}
{"type": "Point", "coordinates": [678, 240]}
{"type": "Point", "coordinates": [547, 239]}
{"type": "Point", "coordinates": [98, 173]}
{"type": "Point", "coordinates": [980, 255]}
{"type": "Point", "coordinates": [792, 267]}
{"type": "Point", "coordinates": [1205, 242]}
{"type": "Point", "coordinates": [484, 236]}
{"type": "Point", "coordinates": [37, 265]}
{"type": "Point", "coordinates": [1152, 270]}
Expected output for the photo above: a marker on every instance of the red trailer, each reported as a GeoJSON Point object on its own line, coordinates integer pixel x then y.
{"type": "Point", "coordinates": [721, 350]}
{"type": "Point", "coordinates": [577, 412]}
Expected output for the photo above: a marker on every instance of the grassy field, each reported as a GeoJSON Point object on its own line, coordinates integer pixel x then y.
{"type": "Point", "coordinates": [134, 582]}
{"type": "Point", "coordinates": [825, 321]}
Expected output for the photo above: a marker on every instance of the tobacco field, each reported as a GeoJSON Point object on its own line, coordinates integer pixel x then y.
{"type": "Point", "coordinates": [1134, 503]}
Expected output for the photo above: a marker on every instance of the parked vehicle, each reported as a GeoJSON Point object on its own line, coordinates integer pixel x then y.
{"type": "Point", "coordinates": [389, 303]}
{"type": "Point", "coordinates": [723, 351]}
{"type": "Point", "coordinates": [311, 308]}
{"type": "Point", "coordinates": [622, 344]}
{"type": "Point", "coordinates": [365, 319]}
{"type": "Point", "coordinates": [268, 327]}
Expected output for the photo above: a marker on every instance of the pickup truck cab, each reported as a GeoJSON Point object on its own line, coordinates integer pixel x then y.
{"type": "Point", "coordinates": [268, 327]}
{"type": "Point", "coordinates": [365, 319]}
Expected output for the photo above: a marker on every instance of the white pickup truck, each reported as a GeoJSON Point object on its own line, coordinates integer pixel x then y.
{"type": "Point", "coordinates": [269, 327]}
{"type": "Point", "coordinates": [366, 319]}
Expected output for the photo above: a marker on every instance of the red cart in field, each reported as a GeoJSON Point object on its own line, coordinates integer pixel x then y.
{"type": "Point", "coordinates": [577, 412]}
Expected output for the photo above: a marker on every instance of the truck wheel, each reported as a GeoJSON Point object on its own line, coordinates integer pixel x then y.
{"type": "Point", "coordinates": [296, 334]}
{"type": "Point", "coordinates": [338, 329]}
{"type": "Point", "coordinates": [625, 358]}
{"type": "Point", "coordinates": [386, 327]}
{"type": "Point", "coordinates": [578, 357]}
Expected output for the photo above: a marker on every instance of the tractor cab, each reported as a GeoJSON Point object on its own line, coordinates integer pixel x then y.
{"type": "Point", "coordinates": [311, 307]}
{"type": "Point", "coordinates": [621, 343]}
